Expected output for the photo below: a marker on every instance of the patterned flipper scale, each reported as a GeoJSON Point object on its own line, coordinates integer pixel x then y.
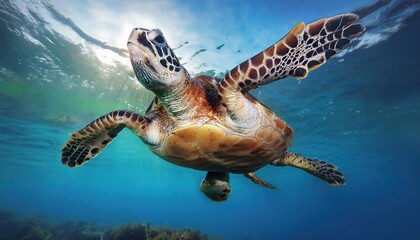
{"type": "Point", "coordinates": [321, 169]}
{"type": "Point", "coordinates": [303, 49]}
{"type": "Point", "coordinates": [90, 140]}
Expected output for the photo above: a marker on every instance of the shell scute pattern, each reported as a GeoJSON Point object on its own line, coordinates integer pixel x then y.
{"type": "Point", "coordinates": [214, 145]}
{"type": "Point", "coordinates": [182, 143]}
{"type": "Point", "coordinates": [224, 149]}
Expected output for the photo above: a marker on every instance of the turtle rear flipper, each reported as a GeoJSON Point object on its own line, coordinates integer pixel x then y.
{"type": "Point", "coordinates": [89, 141]}
{"type": "Point", "coordinates": [321, 169]}
{"type": "Point", "coordinates": [304, 48]}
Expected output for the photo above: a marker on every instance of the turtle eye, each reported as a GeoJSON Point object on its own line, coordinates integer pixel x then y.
{"type": "Point", "coordinates": [159, 39]}
{"type": "Point", "coordinates": [156, 37]}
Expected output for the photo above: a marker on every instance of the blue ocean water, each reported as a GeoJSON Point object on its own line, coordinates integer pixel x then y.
{"type": "Point", "coordinates": [360, 111]}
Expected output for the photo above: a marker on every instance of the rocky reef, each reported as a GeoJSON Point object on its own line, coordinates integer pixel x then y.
{"type": "Point", "coordinates": [13, 227]}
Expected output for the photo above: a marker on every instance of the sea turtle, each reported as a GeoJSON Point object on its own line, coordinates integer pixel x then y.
{"type": "Point", "coordinates": [216, 125]}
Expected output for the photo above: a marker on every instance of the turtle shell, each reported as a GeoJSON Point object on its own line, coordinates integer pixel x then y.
{"type": "Point", "coordinates": [214, 148]}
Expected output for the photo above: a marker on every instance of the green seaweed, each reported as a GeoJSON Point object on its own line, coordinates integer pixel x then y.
{"type": "Point", "coordinates": [34, 230]}
{"type": "Point", "coordinates": [126, 232]}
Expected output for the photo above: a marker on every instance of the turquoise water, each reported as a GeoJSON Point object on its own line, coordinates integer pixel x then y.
{"type": "Point", "coordinates": [60, 69]}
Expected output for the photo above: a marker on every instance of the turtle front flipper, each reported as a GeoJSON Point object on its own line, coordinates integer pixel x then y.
{"type": "Point", "coordinates": [89, 141]}
{"type": "Point", "coordinates": [303, 49]}
{"type": "Point", "coordinates": [258, 180]}
{"type": "Point", "coordinates": [321, 169]}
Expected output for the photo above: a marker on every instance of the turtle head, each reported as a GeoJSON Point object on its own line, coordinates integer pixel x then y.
{"type": "Point", "coordinates": [154, 62]}
{"type": "Point", "coordinates": [216, 186]}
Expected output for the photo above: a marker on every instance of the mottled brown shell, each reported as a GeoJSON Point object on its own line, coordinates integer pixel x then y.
{"type": "Point", "coordinates": [214, 148]}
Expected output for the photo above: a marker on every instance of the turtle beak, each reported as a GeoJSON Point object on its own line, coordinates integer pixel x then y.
{"type": "Point", "coordinates": [135, 34]}
{"type": "Point", "coordinates": [139, 46]}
